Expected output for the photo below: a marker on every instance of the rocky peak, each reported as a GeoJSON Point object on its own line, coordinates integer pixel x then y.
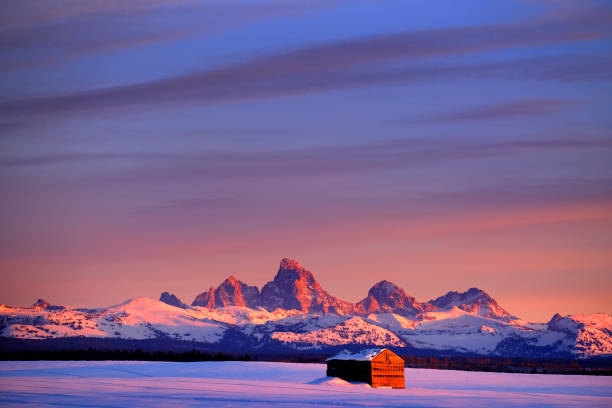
{"type": "Point", "coordinates": [290, 271]}
{"type": "Point", "coordinates": [206, 299]}
{"type": "Point", "coordinates": [555, 319]}
{"type": "Point", "coordinates": [454, 298]}
{"type": "Point", "coordinates": [387, 297]}
{"type": "Point", "coordinates": [231, 292]}
{"type": "Point", "coordinates": [40, 304]}
{"type": "Point", "coordinates": [230, 283]}
{"type": "Point", "coordinates": [294, 287]}
{"type": "Point", "coordinates": [473, 300]}
{"type": "Point", "coordinates": [384, 289]}
{"type": "Point", "coordinates": [565, 324]}
{"type": "Point", "coordinates": [172, 300]}
{"type": "Point", "coordinates": [287, 264]}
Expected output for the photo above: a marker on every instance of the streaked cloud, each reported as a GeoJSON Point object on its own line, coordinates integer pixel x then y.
{"type": "Point", "coordinates": [509, 109]}
{"type": "Point", "coordinates": [340, 65]}
{"type": "Point", "coordinates": [391, 154]}
{"type": "Point", "coordinates": [39, 34]}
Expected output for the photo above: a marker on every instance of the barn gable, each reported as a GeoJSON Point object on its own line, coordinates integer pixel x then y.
{"type": "Point", "coordinates": [388, 370]}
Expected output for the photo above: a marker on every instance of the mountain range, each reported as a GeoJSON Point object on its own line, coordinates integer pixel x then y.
{"type": "Point", "coordinates": [294, 314]}
{"type": "Point", "coordinates": [295, 288]}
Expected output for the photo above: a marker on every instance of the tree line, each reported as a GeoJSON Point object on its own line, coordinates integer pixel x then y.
{"type": "Point", "coordinates": [463, 363]}
{"type": "Point", "coordinates": [512, 365]}
{"type": "Point", "coordinates": [94, 354]}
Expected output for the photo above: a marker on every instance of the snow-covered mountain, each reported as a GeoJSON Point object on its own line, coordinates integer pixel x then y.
{"type": "Point", "coordinates": [387, 297]}
{"type": "Point", "coordinates": [294, 313]}
{"type": "Point", "coordinates": [475, 301]}
{"type": "Point", "coordinates": [141, 318]}
{"type": "Point", "coordinates": [584, 334]}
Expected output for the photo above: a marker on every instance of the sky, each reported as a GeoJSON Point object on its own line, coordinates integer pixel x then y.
{"type": "Point", "coordinates": [159, 145]}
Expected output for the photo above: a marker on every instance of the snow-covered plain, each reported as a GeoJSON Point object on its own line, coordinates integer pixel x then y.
{"type": "Point", "coordinates": [260, 384]}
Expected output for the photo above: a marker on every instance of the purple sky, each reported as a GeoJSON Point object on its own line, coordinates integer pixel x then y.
{"type": "Point", "coordinates": [159, 145]}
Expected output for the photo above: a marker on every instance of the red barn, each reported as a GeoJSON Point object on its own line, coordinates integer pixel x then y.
{"type": "Point", "coordinates": [378, 367]}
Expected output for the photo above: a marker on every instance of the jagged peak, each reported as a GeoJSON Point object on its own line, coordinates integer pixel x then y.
{"type": "Point", "coordinates": [231, 292]}
{"type": "Point", "coordinates": [387, 297]}
{"type": "Point", "coordinates": [294, 287]}
{"type": "Point", "coordinates": [469, 295]}
{"type": "Point", "coordinates": [473, 300]}
{"type": "Point", "coordinates": [290, 270]}
{"type": "Point", "coordinates": [40, 304]}
{"type": "Point", "coordinates": [232, 281]}
{"type": "Point", "coordinates": [555, 318]}
{"type": "Point", "coordinates": [290, 265]}
{"type": "Point", "coordinates": [172, 300]}
{"type": "Point", "coordinates": [385, 286]}
{"type": "Point", "coordinates": [476, 292]}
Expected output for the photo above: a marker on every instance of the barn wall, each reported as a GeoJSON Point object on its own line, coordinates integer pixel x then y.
{"type": "Point", "coordinates": [350, 370]}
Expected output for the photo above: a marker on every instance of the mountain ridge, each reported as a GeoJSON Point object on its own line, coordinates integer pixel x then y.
{"type": "Point", "coordinates": [295, 287]}
{"type": "Point", "coordinates": [293, 313]}
{"type": "Point", "coordinates": [239, 328]}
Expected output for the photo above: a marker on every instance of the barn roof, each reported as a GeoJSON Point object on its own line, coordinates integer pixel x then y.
{"type": "Point", "coordinates": [363, 355]}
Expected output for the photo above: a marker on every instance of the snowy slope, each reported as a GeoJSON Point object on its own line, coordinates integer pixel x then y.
{"type": "Point", "coordinates": [588, 335]}
{"type": "Point", "coordinates": [451, 329]}
{"type": "Point", "coordinates": [140, 318]}
{"type": "Point", "coordinates": [353, 330]}
{"type": "Point", "coordinates": [257, 384]}
{"type": "Point", "coordinates": [463, 332]}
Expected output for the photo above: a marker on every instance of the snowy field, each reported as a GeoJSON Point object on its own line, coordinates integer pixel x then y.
{"type": "Point", "coordinates": [259, 384]}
